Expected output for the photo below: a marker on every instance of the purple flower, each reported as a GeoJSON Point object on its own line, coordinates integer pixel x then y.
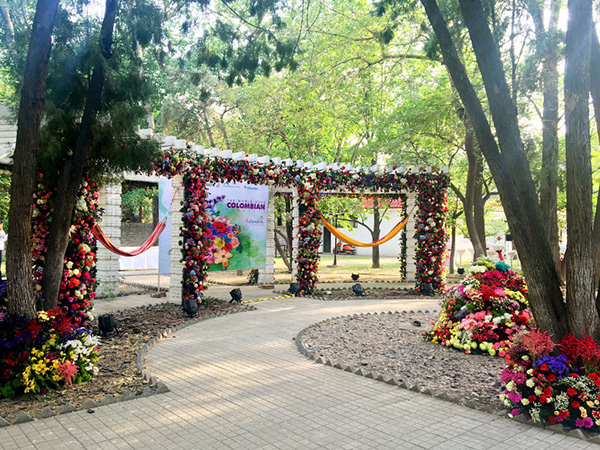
{"type": "Point", "coordinates": [556, 365]}
{"type": "Point", "coordinates": [584, 423]}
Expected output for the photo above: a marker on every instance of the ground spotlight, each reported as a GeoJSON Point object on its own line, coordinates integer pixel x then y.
{"type": "Point", "coordinates": [294, 289]}
{"type": "Point", "coordinates": [190, 306]}
{"type": "Point", "coordinates": [355, 277]}
{"type": "Point", "coordinates": [358, 290]}
{"type": "Point", "coordinates": [236, 295]}
{"type": "Point", "coordinates": [106, 324]}
{"type": "Point", "coordinates": [427, 289]}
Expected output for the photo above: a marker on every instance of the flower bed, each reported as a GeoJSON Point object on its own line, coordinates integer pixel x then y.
{"type": "Point", "coordinates": [484, 312]}
{"type": "Point", "coordinates": [554, 383]}
{"type": "Point", "coordinates": [46, 352]}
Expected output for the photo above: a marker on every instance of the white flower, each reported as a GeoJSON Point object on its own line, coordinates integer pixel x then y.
{"type": "Point", "coordinates": [477, 269]}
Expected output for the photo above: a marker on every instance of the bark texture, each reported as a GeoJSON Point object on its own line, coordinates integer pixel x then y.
{"type": "Point", "coordinates": [549, 173]}
{"type": "Point", "coordinates": [581, 308]}
{"type": "Point", "coordinates": [31, 109]}
{"type": "Point", "coordinates": [74, 167]}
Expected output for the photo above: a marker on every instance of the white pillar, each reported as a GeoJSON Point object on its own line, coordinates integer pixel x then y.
{"type": "Point", "coordinates": [107, 263]}
{"type": "Point", "coordinates": [176, 237]}
{"type": "Point", "coordinates": [411, 243]}
{"type": "Point", "coordinates": [295, 226]}
{"type": "Point", "coordinates": [267, 275]}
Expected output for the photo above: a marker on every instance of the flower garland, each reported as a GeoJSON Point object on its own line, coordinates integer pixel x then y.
{"type": "Point", "coordinates": [196, 241]}
{"type": "Point", "coordinates": [431, 189]}
{"type": "Point", "coordinates": [78, 283]}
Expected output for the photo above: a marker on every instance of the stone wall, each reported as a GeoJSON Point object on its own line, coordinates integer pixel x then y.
{"type": "Point", "coordinates": [135, 234]}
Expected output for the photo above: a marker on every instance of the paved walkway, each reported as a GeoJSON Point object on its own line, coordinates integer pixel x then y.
{"type": "Point", "coordinates": [238, 382]}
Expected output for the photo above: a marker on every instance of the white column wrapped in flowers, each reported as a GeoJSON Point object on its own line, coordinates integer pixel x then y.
{"type": "Point", "coordinates": [411, 244]}
{"type": "Point", "coordinates": [267, 275]}
{"type": "Point", "coordinates": [176, 237]}
{"type": "Point", "coordinates": [107, 263]}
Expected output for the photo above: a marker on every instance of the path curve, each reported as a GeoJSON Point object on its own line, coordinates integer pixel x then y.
{"type": "Point", "coordinates": [239, 382]}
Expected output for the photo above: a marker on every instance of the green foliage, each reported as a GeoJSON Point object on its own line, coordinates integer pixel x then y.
{"type": "Point", "coordinates": [132, 199]}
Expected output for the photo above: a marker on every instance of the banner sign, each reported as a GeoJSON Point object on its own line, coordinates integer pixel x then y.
{"type": "Point", "coordinates": [237, 226]}
{"type": "Point", "coordinates": [165, 195]}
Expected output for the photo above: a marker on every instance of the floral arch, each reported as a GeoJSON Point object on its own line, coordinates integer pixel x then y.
{"type": "Point", "coordinates": [194, 167]}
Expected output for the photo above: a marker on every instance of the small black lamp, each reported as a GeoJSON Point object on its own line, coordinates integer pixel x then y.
{"type": "Point", "coordinates": [294, 289]}
{"type": "Point", "coordinates": [190, 306]}
{"type": "Point", "coordinates": [427, 289]}
{"type": "Point", "coordinates": [106, 324]}
{"type": "Point", "coordinates": [358, 290]}
{"type": "Point", "coordinates": [461, 270]}
{"type": "Point", "coordinates": [355, 277]}
{"type": "Point", "coordinates": [236, 295]}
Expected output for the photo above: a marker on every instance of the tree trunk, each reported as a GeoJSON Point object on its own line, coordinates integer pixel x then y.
{"type": "Point", "coordinates": [479, 199]}
{"type": "Point", "coordinates": [472, 173]}
{"type": "Point", "coordinates": [375, 234]}
{"type": "Point", "coordinates": [31, 109]}
{"type": "Point", "coordinates": [289, 228]}
{"type": "Point", "coordinates": [452, 248]}
{"type": "Point", "coordinates": [595, 91]}
{"type": "Point", "coordinates": [510, 169]}
{"type": "Point", "coordinates": [282, 253]}
{"type": "Point", "coordinates": [73, 169]}
{"type": "Point", "coordinates": [549, 171]}
{"type": "Point", "coordinates": [7, 24]}
{"type": "Point", "coordinates": [581, 308]}
{"type": "Point", "coordinates": [207, 125]}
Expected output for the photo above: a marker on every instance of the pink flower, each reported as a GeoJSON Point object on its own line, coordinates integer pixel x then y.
{"type": "Point", "coordinates": [67, 370]}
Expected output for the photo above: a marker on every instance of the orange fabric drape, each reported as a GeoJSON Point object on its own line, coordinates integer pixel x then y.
{"type": "Point", "coordinates": [348, 240]}
{"type": "Point", "coordinates": [99, 234]}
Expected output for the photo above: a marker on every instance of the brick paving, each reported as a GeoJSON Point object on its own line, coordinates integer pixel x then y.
{"type": "Point", "coordinates": [238, 382]}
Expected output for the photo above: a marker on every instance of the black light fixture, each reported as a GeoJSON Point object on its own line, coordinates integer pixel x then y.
{"type": "Point", "coordinates": [461, 270]}
{"type": "Point", "coordinates": [358, 290]}
{"type": "Point", "coordinates": [427, 289]}
{"type": "Point", "coordinates": [355, 277]}
{"type": "Point", "coordinates": [190, 306]}
{"type": "Point", "coordinates": [106, 324]}
{"type": "Point", "coordinates": [236, 295]}
{"type": "Point", "coordinates": [294, 289]}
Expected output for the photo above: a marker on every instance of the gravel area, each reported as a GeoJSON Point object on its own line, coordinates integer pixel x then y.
{"type": "Point", "coordinates": [391, 345]}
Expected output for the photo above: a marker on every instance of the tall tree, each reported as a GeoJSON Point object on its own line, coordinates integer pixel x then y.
{"type": "Point", "coordinates": [511, 170]}
{"type": "Point", "coordinates": [31, 109]}
{"type": "Point", "coordinates": [72, 172]}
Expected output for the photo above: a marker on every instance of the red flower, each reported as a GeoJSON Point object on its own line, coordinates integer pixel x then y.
{"type": "Point", "coordinates": [575, 405]}
{"type": "Point", "coordinates": [544, 367]}
{"type": "Point", "coordinates": [572, 391]}
{"type": "Point", "coordinates": [552, 420]}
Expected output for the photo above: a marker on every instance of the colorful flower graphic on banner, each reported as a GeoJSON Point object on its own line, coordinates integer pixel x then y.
{"type": "Point", "coordinates": [224, 236]}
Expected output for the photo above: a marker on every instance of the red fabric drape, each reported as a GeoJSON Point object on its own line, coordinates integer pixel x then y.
{"type": "Point", "coordinates": [100, 236]}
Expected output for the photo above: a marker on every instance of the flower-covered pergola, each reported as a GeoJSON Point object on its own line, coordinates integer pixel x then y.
{"type": "Point", "coordinates": [194, 167]}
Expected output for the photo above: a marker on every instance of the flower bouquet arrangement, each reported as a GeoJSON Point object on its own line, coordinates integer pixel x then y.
{"type": "Point", "coordinates": [554, 383]}
{"type": "Point", "coordinates": [484, 312]}
{"type": "Point", "coordinates": [48, 351]}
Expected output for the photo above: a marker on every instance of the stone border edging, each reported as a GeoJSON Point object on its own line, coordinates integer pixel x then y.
{"type": "Point", "coordinates": [471, 403]}
{"type": "Point", "coordinates": [325, 298]}
{"type": "Point", "coordinates": [154, 387]}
